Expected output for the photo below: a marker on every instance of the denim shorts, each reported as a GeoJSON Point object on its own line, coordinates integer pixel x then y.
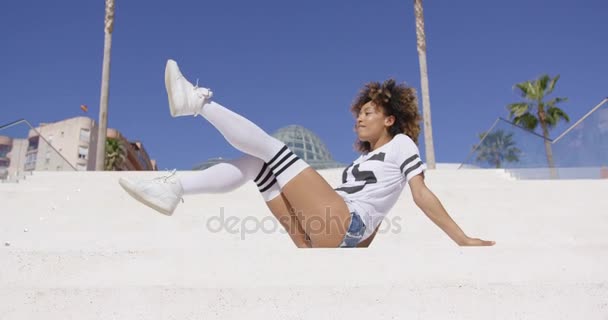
{"type": "Point", "coordinates": [355, 232]}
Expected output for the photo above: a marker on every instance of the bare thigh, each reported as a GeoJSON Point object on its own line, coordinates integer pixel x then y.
{"type": "Point", "coordinates": [365, 243]}
{"type": "Point", "coordinates": [321, 211]}
{"type": "Point", "coordinates": [283, 211]}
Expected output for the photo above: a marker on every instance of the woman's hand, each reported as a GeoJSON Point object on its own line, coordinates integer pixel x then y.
{"type": "Point", "coordinates": [474, 242]}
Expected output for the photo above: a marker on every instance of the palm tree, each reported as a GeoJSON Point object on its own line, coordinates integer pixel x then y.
{"type": "Point", "coordinates": [424, 83]}
{"type": "Point", "coordinates": [496, 148]}
{"type": "Point", "coordinates": [534, 110]}
{"type": "Point", "coordinates": [105, 85]}
{"type": "Point", "coordinates": [116, 155]}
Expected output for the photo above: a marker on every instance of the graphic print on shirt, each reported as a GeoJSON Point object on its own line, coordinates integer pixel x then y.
{"type": "Point", "coordinates": [367, 176]}
{"type": "Point", "coordinates": [373, 183]}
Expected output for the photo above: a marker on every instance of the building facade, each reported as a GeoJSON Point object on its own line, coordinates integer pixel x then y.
{"type": "Point", "coordinates": [12, 156]}
{"type": "Point", "coordinates": [64, 145]}
{"type": "Point", "coordinates": [69, 144]}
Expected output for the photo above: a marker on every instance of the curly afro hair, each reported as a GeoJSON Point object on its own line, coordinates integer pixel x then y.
{"type": "Point", "coordinates": [396, 100]}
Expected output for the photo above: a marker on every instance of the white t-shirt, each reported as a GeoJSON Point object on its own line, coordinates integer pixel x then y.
{"type": "Point", "coordinates": [372, 184]}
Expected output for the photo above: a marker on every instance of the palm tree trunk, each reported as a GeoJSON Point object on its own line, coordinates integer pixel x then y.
{"type": "Point", "coordinates": [542, 117]}
{"type": "Point", "coordinates": [105, 86]}
{"type": "Point", "coordinates": [424, 83]}
{"type": "Point", "coordinates": [549, 152]}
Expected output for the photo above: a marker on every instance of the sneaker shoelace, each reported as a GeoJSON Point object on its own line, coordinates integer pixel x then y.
{"type": "Point", "coordinates": [201, 95]}
{"type": "Point", "coordinates": [165, 179]}
{"type": "Point", "coordinates": [205, 97]}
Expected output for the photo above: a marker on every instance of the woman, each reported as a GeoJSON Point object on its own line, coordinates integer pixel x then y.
{"type": "Point", "coordinates": [314, 214]}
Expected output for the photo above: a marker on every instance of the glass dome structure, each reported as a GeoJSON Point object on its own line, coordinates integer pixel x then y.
{"type": "Point", "coordinates": [303, 142]}
{"type": "Point", "coordinates": [308, 146]}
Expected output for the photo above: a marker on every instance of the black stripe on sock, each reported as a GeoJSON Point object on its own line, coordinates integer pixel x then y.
{"type": "Point", "coordinates": [261, 172]}
{"type": "Point", "coordinates": [408, 160]}
{"type": "Point", "coordinates": [269, 185]}
{"type": "Point", "coordinates": [265, 179]}
{"type": "Point", "coordinates": [286, 166]}
{"type": "Point", "coordinates": [287, 156]}
{"type": "Point", "coordinates": [277, 155]}
{"type": "Point", "coordinates": [270, 182]}
{"type": "Point", "coordinates": [412, 168]}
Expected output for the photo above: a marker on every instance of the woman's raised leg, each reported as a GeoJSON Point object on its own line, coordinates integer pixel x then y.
{"type": "Point", "coordinates": [322, 212]}
{"type": "Point", "coordinates": [229, 175]}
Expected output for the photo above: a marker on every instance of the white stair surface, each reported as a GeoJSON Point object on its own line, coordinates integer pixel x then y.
{"type": "Point", "coordinates": [74, 245]}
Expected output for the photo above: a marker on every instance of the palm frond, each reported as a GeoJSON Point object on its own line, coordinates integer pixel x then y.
{"type": "Point", "coordinates": [526, 89]}
{"type": "Point", "coordinates": [552, 84]}
{"type": "Point", "coordinates": [555, 114]}
{"type": "Point", "coordinates": [496, 148]}
{"type": "Point", "coordinates": [518, 109]}
{"type": "Point", "coordinates": [116, 154]}
{"type": "Point", "coordinates": [553, 102]}
{"type": "Point", "coordinates": [526, 120]}
{"type": "Point", "coordinates": [542, 83]}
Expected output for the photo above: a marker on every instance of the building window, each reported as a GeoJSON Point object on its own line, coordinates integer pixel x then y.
{"type": "Point", "coordinates": [30, 161]}
{"type": "Point", "coordinates": [4, 150]}
{"type": "Point", "coordinates": [32, 143]}
{"type": "Point", "coordinates": [85, 135]}
{"type": "Point", "coordinates": [83, 152]}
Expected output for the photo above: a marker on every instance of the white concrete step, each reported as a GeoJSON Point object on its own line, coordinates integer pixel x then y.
{"type": "Point", "coordinates": [79, 247]}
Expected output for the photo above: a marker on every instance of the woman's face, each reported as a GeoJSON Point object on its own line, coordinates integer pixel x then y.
{"type": "Point", "coordinates": [372, 123]}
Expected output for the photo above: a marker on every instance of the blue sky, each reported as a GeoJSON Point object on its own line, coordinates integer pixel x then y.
{"type": "Point", "coordinates": [295, 62]}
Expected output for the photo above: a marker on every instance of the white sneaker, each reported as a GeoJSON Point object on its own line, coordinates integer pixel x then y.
{"type": "Point", "coordinates": [162, 194]}
{"type": "Point", "coordinates": [184, 98]}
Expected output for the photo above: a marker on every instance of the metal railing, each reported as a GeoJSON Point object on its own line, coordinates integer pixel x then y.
{"type": "Point", "coordinates": [580, 152]}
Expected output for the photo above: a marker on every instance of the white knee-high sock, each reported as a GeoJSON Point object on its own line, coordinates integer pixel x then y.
{"type": "Point", "coordinates": [247, 137]}
{"type": "Point", "coordinates": [229, 175]}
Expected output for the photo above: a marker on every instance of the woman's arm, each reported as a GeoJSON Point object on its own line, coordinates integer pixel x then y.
{"type": "Point", "coordinates": [432, 207]}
